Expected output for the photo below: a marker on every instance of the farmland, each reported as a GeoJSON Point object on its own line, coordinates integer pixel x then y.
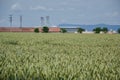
{"type": "Point", "coordinates": [57, 56]}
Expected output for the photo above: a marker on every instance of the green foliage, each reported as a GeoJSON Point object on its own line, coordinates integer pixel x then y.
{"type": "Point", "coordinates": [97, 30]}
{"type": "Point", "coordinates": [63, 30]}
{"type": "Point", "coordinates": [45, 29]}
{"type": "Point", "coordinates": [59, 57]}
{"type": "Point", "coordinates": [105, 29]}
{"type": "Point", "coordinates": [80, 30]}
{"type": "Point", "coordinates": [36, 30]}
{"type": "Point", "coordinates": [118, 30]}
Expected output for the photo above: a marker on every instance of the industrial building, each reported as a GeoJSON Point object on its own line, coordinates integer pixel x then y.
{"type": "Point", "coordinates": [27, 29]}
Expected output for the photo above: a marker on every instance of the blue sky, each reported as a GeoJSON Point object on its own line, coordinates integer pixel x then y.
{"type": "Point", "coordinates": [60, 11]}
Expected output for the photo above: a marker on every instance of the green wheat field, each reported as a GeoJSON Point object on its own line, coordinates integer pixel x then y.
{"type": "Point", "coordinates": [59, 56]}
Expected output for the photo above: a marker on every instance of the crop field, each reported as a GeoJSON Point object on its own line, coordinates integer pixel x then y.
{"type": "Point", "coordinates": [59, 56]}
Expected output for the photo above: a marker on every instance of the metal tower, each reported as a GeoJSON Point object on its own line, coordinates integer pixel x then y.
{"type": "Point", "coordinates": [42, 21]}
{"type": "Point", "coordinates": [10, 20]}
{"type": "Point", "coordinates": [47, 21]}
{"type": "Point", "coordinates": [20, 21]}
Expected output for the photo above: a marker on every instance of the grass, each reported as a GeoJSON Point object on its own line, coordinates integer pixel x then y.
{"type": "Point", "coordinates": [49, 56]}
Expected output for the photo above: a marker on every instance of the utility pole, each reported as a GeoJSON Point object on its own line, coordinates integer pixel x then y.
{"type": "Point", "coordinates": [10, 16]}
{"type": "Point", "coordinates": [20, 21]}
{"type": "Point", "coordinates": [42, 21]}
{"type": "Point", "coordinates": [47, 21]}
{"type": "Point", "coordinates": [10, 20]}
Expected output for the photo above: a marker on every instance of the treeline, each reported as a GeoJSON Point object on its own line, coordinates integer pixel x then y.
{"type": "Point", "coordinates": [98, 30]}
{"type": "Point", "coordinates": [45, 29]}
{"type": "Point", "coordinates": [95, 30]}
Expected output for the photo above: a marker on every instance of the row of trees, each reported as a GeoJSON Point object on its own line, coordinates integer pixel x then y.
{"type": "Point", "coordinates": [119, 30]}
{"type": "Point", "coordinates": [99, 29]}
{"type": "Point", "coordinates": [80, 30]}
{"type": "Point", "coordinates": [96, 30]}
{"type": "Point", "coordinates": [104, 30]}
{"type": "Point", "coordinates": [45, 29]}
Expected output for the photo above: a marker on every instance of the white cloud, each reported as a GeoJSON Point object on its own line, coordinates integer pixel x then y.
{"type": "Point", "coordinates": [41, 8]}
{"type": "Point", "coordinates": [16, 7]}
{"type": "Point", "coordinates": [50, 9]}
{"type": "Point", "coordinates": [64, 3]}
{"type": "Point", "coordinates": [44, 8]}
{"type": "Point", "coordinates": [115, 14]}
{"type": "Point", "coordinates": [38, 8]}
{"type": "Point", "coordinates": [2, 20]}
{"type": "Point", "coordinates": [81, 15]}
{"type": "Point", "coordinates": [112, 14]}
{"type": "Point", "coordinates": [64, 21]}
{"type": "Point", "coordinates": [71, 8]}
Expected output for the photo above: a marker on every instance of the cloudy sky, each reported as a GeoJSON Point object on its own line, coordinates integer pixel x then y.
{"type": "Point", "coordinates": [60, 11]}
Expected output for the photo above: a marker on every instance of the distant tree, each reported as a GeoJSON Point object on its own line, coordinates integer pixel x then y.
{"type": "Point", "coordinates": [36, 30]}
{"type": "Point", "coordinates": [105, 29]}
{"type": "Point", "coordinates": [45, 29]}
{"type": "Point", "coordinates": [97, 30]}
{"type": "Point", "coordinates": [80, 30]}
{"type": "Point", "coordinates": [118, 30]}
{"type": "Point", "coordinates": [63, 30]}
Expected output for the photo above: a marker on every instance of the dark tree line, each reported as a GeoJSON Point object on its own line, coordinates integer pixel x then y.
{"type": "Point", "coordinates": [45, 29]}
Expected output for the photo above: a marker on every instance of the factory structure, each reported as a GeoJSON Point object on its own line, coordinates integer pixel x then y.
{"type": "Point", "coordinates": [27, 29]}
{"type": "Point", "coordinates": [44, 21]}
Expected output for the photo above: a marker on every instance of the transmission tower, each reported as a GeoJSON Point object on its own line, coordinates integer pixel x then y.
{"type": "Point", "coordinates": [20, 21]}
{"type": "Point", "coordinates": [10, 20]}
{"type": "Point", "coordinates": [42, 21]}
{"type": "Point", "coordinates": [10, 17]}
{"type": "Point", "coordinates": [47, 21]}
